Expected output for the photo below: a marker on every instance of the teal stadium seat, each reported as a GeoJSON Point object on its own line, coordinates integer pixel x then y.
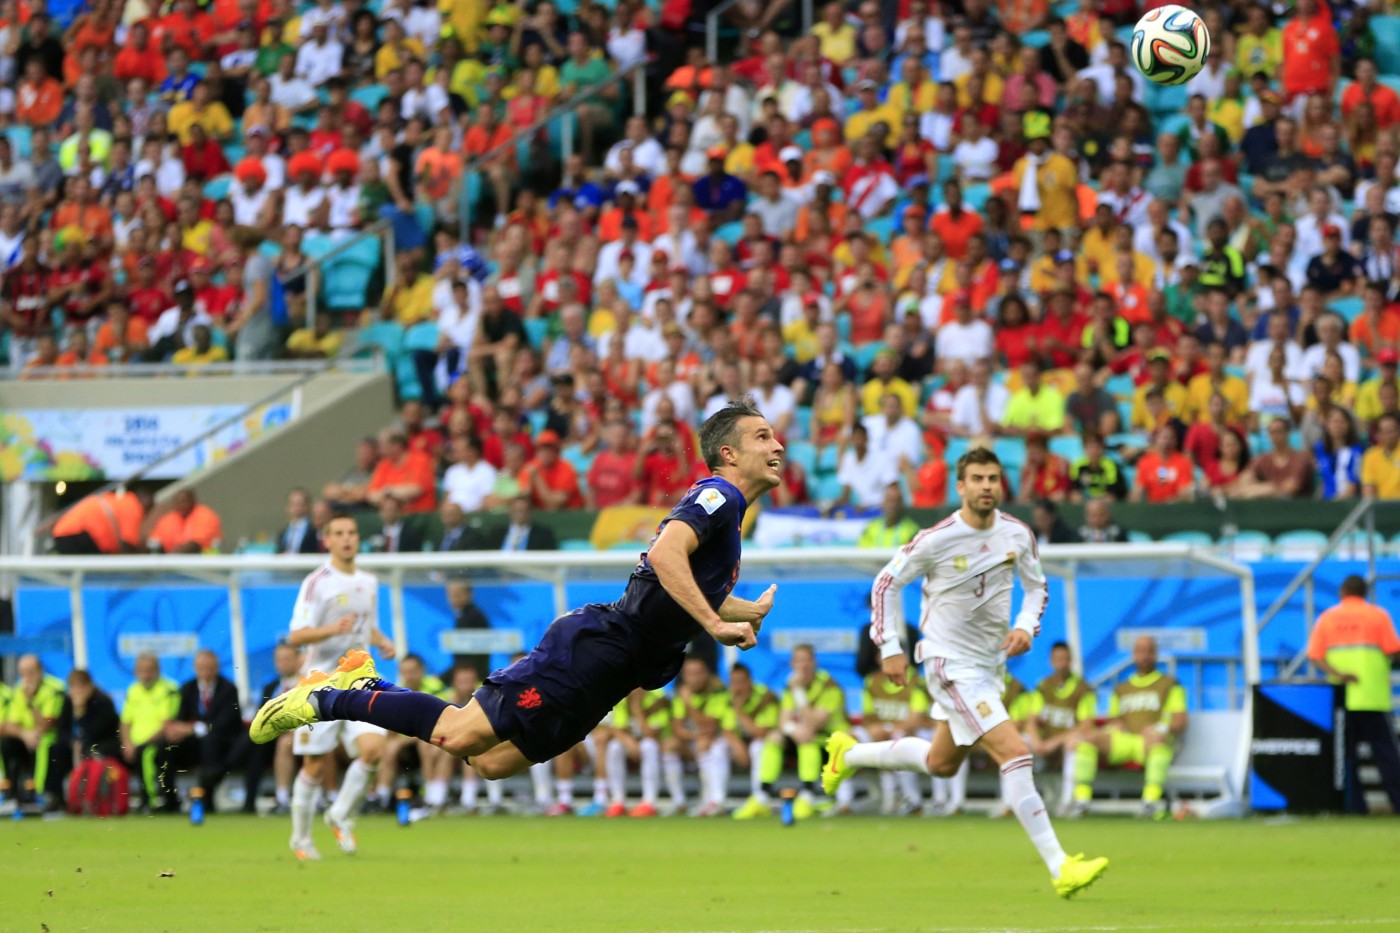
{"type": "Point", "coordinates": [804, 455]}
{"type": "Point", "coordinates": [1386, 30]}
{"type": "Point", "coordinates": [975, 196]}
{"type": "Point", "coordinates": [1164, 99]}
{"type": "Point", "coordinates": [21, 141]}
{"type": "Point", "coordinates": [345, 277]}
{"type": "Point", "coordinates": [1299, 545]}
{"type": "Point", "coordinates": [577, 459]}
{"type": "Point", "coordinates": [217, 189]}
{"type": "Point", "coordinates": [882, 228]}
{"type": "Point", "coordinates": [730, 233]}
{"type": "Point", "coordinates": [828, 488]}
{"type": "Point", "coordinates": [1036, 39]}
{"type": "Point", "coordinates": [536, 328]}
{"type": "Point", "coordinates": [575, 544]}
{"type": "Point", "coordinates": [1348, 307]}
{"type": "Point", "coordinates": [1196, 538]}
{"type": "Point", "coordinates": [370, 95]}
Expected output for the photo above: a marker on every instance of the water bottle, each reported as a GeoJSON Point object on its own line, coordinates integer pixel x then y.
{"type": "Point", "coordinates": [405, 798]}
{"type": "Point", "coordinates": [787, 817]}
{"type": "Point", "coordinates": [197, 806]}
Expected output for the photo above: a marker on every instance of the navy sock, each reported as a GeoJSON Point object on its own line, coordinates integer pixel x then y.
{"type": "Point", "coordinates": [404, 711]}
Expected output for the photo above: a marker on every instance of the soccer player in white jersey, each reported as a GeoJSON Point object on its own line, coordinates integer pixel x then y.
{"type": "Point", "coordinates": [336, 611]}
{"type": "Point", "coordinates": [969, 562]}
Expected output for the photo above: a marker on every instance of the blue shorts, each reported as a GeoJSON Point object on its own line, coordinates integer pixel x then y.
{"type": "Point", "coordinates": [586, 663]}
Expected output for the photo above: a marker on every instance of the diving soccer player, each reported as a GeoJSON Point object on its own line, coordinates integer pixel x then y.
{"type": "Point", "coordinates": [968, 562]}
{"type": "Point", "coordinates": [589, 659]}
{"type": "Point", "coordinates": [336, 611]}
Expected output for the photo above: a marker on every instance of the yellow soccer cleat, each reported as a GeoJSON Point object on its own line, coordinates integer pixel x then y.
{"type": "Point", "coordinates": [835, 770]}
{"type": "Point", "coordinates": [753, 809]}
{"type": "Point", "coordinates": [355, 670]}
{"type": "Point", "coordinates": [291, 710]}
{"type": "Point", "coordinates": [1077, 873]}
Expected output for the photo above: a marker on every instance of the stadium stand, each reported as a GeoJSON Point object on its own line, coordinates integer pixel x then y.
{"type": "Point", "coordinates": [905, 229]}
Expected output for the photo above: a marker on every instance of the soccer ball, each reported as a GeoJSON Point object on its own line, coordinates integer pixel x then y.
{"type": "Point", "coordinates": [1170, 44]}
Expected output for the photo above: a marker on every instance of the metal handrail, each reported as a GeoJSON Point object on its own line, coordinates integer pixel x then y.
{"type": "Point", "coordinates": [712, 26]}
{"type": "Point", "coordinates": [1333, 542]}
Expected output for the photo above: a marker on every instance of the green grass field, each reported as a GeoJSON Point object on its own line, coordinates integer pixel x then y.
{"type": "Point", "coordinates": [852, 874]}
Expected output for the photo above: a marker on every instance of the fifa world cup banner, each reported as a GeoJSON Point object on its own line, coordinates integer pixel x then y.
{"type": "Point", "coordinates": [71, 444]}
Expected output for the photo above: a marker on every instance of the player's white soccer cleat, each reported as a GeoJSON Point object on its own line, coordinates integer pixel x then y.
{"type": "Point", "coordinates": [1077, 873]}
{"type": "Point", "coordinates": [344, 832]}
{"type": "Point", "coordinates": [290, 710]}
{"type": "Point", "coordinates": [305, 851]}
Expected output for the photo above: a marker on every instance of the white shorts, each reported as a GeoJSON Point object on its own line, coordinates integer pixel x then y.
{"type": "Point", "coordinates": [321, 738]}
{"type": "Point", "coordinates": [966, 696]}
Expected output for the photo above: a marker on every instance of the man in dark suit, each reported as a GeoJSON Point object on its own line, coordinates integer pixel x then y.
{"type": "Point", "coordinates": [286, 659]}
{"type": "Point", "coordinates": [205, 734]}
{"type": "Point", "coordinates": [457, 535]}
{"type": "Point", "coordinates": [301, 536]}
{"type": "Point", "coordinates": [395, 536]}
{"type": "Point", "coordinates": [466, 615]}
{"type": "Point", "coordinates": [522, 534]}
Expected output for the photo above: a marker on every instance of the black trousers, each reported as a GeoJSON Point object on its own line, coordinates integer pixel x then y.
{"type": "Point", "coordinates": [257, 761]}
{"type": "Point", "coordinates": [80, 543]}
{"type": "Point", "coordinates": [211, 757]}
{"type": "Point", "coordinates": [23, 764]}
{"type": "Point", "coordinates": [1375, 729]}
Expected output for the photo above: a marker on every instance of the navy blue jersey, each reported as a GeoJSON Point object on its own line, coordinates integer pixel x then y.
{"type": "Point", "coordinates": [714, 509]}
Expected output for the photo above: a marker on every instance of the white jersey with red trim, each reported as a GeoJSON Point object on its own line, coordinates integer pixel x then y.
{"type": "Point", "coordinates": [325, 596]}
{"type": "Point", "coordinates": [968, 575]}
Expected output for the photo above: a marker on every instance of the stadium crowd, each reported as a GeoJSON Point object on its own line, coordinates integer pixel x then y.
{"type": "Point", "coordinates": [967, 223]}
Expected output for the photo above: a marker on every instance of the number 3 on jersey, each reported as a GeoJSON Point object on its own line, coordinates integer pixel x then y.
{"type": "Point", "coordinates": [981, 584]}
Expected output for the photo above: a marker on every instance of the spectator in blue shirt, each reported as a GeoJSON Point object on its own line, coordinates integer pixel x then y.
{"type": "Point", "coordinates": [720, 194]}
{"type": "Point", "coordinates": [1338, 454]}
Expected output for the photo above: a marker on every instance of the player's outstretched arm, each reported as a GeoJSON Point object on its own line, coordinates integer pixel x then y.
{"type": "Point", "coordinates": [670, 558]}
{"type": "Point", "coordinates": [734, 609]}
{"type": "Point", "coordinates": [310, 635]}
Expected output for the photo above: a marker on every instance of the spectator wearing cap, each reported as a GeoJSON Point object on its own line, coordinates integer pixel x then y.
{"type": "Point", "coordinates": [1046, 181]}
{"type": "Point", "coordinates": [174, 329]}
{"type": "Point", "coordinates": [550, 481]}
{"type": "Point", "coordinates": [1335, 272]}
{"type": "Point", "coordinates": [1368, 405]}
{"type": "Point", "coordinates": [1159, 380]}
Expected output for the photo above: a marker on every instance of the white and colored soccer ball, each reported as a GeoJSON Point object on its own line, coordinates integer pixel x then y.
{"type": "Point", "coordinates": [1170, 44]}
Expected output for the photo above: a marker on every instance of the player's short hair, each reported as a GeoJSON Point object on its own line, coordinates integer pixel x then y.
{"type": "Point", "coordinates": [805, 646]}
{"type": "Point", "coordinates": [336, 516]}
{"type": "Point", "coordinates": [721, 429]}
{"type": "Point", "coordinates": [740, 666]}
{"type": "Point", "coordinates": [79, 676]}
{"type": "Point", "coordinates": [977, 456]}
{"type": "Point", "coordinates": [1355, 585]}
{"type": "Point", "coordinates": [1058, 645]}
{"type": "Point", "coordinates": [413, 656]}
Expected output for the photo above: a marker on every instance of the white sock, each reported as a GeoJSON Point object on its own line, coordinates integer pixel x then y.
{"type": "Point", "coordinates": [907, 754]}
{"type": "Point", "coordinates": [887, 789]}
{"type": "Point", "coordinates": [471, 788]}
{"type": "Point", "coordinates": [352, 790]}
{"type": "Point", "coordinates": [650, 770]}
{"type": "Point", "coordinates": [908, 785]}
{"type": "Point", "coordinates": [706, 769]}
{"type": "Point", "coordinates": [617, 772]}
{"type": "Point", "coordinates": [540, 776]}
{"type": "Point", "coordinates": [1018, 789]}
{"type": "Point", "coordinates": [435, 793]}
{"type": "Point", "coordinates": [564, 791]}
{"type": "Point", "coordinates": [284, 796]}
{"type": "Point", "coordinates": [600, 791]}
{"type": "Point", "coordinates": [719, 755]}
{"type": "Point", "coordinates": [495, 793]}
{"type": "Point", "coordinates": [845, 795]}
{"type": "Point", "coordinates": [1067, 779]}
{"type": "Point", "coordinates": [671, 766]}
{"type": "Point", "coordinates": [304, 794]}
{"type": "Point", "coordinates": [756, 769]}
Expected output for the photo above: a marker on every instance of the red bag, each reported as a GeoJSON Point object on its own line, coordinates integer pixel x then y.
{"type": "Point", "coordinates": [99, 787]}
